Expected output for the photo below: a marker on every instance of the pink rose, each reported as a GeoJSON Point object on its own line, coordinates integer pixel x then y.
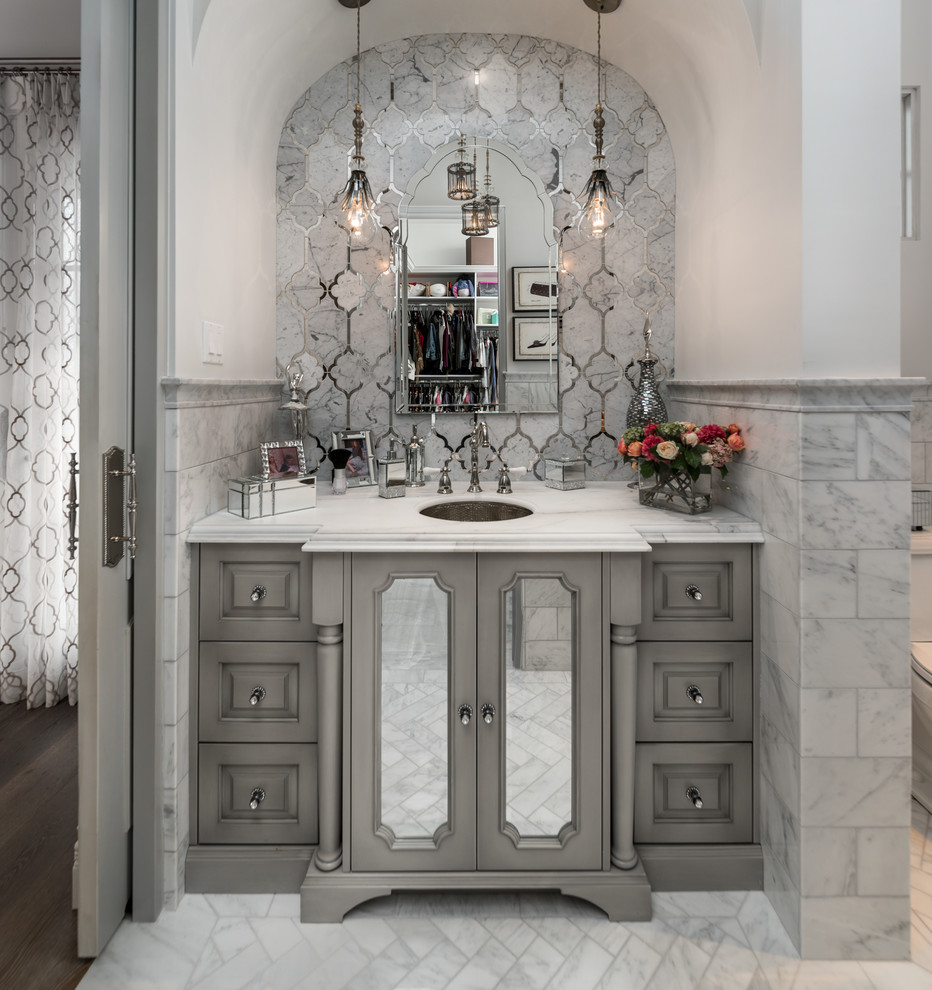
{"type": "Point", "coordinates": [735, 441]}
{"type": "Point", "coordinates": [667, 450]}
{"type": "Point", "coordinates": [691, 438]}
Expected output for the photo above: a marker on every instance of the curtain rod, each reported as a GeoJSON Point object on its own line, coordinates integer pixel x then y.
{"type": "Point", "coordinates": [32, 64]}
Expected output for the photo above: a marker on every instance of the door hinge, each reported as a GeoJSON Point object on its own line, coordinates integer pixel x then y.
{"type": "Point", "coordinates": [115, 490]}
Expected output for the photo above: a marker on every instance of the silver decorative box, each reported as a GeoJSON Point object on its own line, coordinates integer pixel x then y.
{"type": "Point", "coordinates": [255, 497]}
{"type": "Point", "coordinates": [564, 473]}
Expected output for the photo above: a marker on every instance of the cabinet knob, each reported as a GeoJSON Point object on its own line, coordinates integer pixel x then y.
{"type": "Point", "coordinates": [693, 592]}
{"type": "Point", "coordinates": [258, 694]}
{"type": "Point", "coordinates": [694, 694]}
{"type": "Point", "coordinates": [465, 713]}
{"type": "Point", "coordinates": [488, 712]}
{"type": "Point", "coordinates": [692, 794]}
{"type": "Point", "coordinates": [258, 593]}
{"type": "Point", "coordinates": [256, 798]}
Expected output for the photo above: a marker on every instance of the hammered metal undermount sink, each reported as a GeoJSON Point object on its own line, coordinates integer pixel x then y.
{"type": "Point", "coordinates": [473, 511]}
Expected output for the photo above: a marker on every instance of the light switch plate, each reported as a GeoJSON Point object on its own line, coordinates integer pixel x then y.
{"type": "Point", "coordinates": [212, 342]}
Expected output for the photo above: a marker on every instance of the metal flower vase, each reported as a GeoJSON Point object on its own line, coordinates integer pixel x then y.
{"type": "Point", "coordinates": [647, 406]}
{"type": "Point", "coordinates": [670, 489]}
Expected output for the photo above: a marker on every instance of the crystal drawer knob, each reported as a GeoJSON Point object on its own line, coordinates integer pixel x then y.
{"type": "Point", "coordinates": [258, 593]}
{"type": "Point", "coordinates": [258, 694]}
{"type": "Point", "coordinates": [694, 593]}
{"type": "Point", "coordinates": [692, 794]}
{"type": "Point", "coordinates": [465, 713]}
{"type": "Point", "coordinates": [488, 712]}
{"type": "Point", "coordinates": [694, 694]}
{"type": "Point", "coordinates": [256, 798]}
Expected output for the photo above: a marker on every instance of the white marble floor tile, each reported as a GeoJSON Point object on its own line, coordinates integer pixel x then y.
{"type": "Point", "coordinates": [461, 941]}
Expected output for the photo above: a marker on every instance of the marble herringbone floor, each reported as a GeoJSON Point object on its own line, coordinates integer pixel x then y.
{"type": "Point", "coordinates": [700, 941]}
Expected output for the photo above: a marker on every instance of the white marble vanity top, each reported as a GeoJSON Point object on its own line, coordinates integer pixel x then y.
{"type": "Point", "coordinates": [603, 516]}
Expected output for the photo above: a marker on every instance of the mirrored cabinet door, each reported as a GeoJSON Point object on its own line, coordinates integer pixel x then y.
{"type": "Point", "coordinates": [413, 779]}
{"type": "Point", "coordinates": [540, 746]}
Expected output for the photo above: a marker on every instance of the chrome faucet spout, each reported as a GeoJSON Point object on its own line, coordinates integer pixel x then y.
{"type": "Point", "coordinates": [478, 437]}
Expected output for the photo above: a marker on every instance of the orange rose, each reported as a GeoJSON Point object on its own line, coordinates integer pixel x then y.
{"type": "Point", "coordinates": [735, 441]}
{"type": "Point", "coordinates": [732, 428]}
{"type": "Point", "coordinates": [634, 448]}
{"type": "Point", "coordinates": [622, 447]}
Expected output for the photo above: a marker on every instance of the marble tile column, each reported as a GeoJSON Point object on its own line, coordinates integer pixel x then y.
{"type": "Point", "coordinates": [213, 431]}
{"type": "Point", "coordinates": [827, 474]}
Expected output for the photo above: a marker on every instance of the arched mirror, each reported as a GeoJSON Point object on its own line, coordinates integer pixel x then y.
{"type": "Point", "coordinates": [476, 326]}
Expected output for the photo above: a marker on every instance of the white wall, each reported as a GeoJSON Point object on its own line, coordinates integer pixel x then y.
{"type": "Point", "coordinates": [786, 263]}
{"type": "Point", "coordinates": [916, 314]}
{"type": "Point", "coordinates": [40, 29]}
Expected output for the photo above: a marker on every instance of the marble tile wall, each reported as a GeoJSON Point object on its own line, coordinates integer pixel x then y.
{"type": "Point", "coordinates": [335, 307]}
{"type": "Point", "coordinates": [212, 433]}
{"type": "Point", "coordinates": [826, 472]}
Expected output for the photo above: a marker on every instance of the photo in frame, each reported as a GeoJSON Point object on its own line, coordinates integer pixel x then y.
{"type": "Point", "coordinates": [281, 460]}
{"type": "Point", "coordinates": [535, 338]}
{"type": "Point", "coordinates": [360, 468]}
{"type": "Point", "coordinates": [532, 288]}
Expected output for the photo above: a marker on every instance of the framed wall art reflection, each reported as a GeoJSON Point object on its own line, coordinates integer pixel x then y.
{"type": "Point", "coordinates": [360, 468]}
{"type": "Point", "coordinates": [535, 338]}
{"type": "Point", "coordinates": [533, 288]}
{"type": "Point", "coordinates": [281, 460]}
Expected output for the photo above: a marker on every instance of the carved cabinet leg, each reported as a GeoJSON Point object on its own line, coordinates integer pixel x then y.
{"type": "Point", "coordinates": [624, 711]}
{"type": "Point", "coordinates": [329, 853]}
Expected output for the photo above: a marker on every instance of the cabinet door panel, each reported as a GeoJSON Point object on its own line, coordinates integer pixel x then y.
{"type": "Point", "coordinates": [413, 665]}
{"type": "Point", "coordinates": [540, 756]}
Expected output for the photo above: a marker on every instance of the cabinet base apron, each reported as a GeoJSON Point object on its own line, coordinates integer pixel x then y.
{"type": "Point", "coordinates": [624, 895]}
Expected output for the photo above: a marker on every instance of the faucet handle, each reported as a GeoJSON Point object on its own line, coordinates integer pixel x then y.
{"type": "Point", "coordinates": [444, 487]}
{"type": "Point", "coordinates": [504, 481]}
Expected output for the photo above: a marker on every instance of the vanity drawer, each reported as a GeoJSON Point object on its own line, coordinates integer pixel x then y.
{"type": "Point", "coordinates": [664, 810]}
{"type": "Point", "coordinates": [257, 692]}
{"type": "Point", "coordinates": [696, 592]}
{"type": "Point", "coordinates": [283, 776]}
{"type": "Point", "coordinates": [255, 593]}
{"type": "Point", "coordinates": [694, 691]}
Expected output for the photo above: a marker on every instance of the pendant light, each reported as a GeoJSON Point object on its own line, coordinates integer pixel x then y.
{"type": "Point", "coordinates": [461, 176]}
{"type": "Point", "coordinates": [358, 204]}
{"type": "Point", "coordinates": [598, 215]}
{"type": "Point", "coordinates": [475, 215]}
{"type": "Point", "coordinates": [490, 201]}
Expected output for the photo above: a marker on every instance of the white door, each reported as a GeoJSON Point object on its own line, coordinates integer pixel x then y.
{"type": "Point", "coordinates": [105, 593]}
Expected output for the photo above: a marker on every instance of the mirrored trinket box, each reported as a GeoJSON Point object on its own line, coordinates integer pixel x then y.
{"type": "Point", "coordinates": [564, 473]}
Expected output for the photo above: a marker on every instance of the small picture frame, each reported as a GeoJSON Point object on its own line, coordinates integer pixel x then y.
{"type": "Point", "coordinates": [282, 460]}
{"type": "Point", "coordinates": [360, 468]}
{"type": "Point", "coordinates": [533, 288]}
{"type": "Point", "coordinates": [535, 338]}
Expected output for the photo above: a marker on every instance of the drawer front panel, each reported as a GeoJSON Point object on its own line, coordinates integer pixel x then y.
{"type": "Point", "coordinates": [257, 692]}
{"type": "Point", "coordinates": [255, 593]}
{"type": "Point", "coordinates": [281, 778]}
{"type": "Point", "coordinates": [696, 592]}
{"type": "Point", "coordinates": [669, 776]}
{"type": "Point", "coordinates": [694, 691]}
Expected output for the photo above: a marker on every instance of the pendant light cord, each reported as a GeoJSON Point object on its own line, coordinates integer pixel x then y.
{"type": "Point", "coordinates": [599, 62]}
{"type": "Point", "coordinates": [358, 46]}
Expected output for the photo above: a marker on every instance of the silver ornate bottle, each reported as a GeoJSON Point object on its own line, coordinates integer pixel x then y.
{"type": "Point", "coordinates": [647, 406]}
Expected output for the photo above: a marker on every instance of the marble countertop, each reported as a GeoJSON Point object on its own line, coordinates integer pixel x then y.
{"type": "Point", "coordinates": [602, 517]}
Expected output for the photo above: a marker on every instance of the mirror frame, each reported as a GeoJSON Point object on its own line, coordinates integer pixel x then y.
{"type": "Point", "coordinates": [408, 211]}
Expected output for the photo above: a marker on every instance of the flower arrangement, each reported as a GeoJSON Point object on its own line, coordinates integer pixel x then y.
{"type": "Point", "coordinates": [680, 447]}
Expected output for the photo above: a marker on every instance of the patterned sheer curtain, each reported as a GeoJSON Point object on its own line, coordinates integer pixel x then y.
{"type": "Point", "coordinates": [39, 159]}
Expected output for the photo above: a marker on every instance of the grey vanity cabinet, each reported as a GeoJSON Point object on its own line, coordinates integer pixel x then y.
{"type": "Point", "coordinates": [695, 718]}
{"type": "Point", "coordinates": [485, 675]}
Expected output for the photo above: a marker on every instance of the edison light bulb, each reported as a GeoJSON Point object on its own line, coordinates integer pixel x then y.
{"type": "Point", "coordinates": [597, 218]}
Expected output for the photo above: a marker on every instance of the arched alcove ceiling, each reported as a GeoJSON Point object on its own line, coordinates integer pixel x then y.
{"type": "Point", "coordinates": [693, 59]}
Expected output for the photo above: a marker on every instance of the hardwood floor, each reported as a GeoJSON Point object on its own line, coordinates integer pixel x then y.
{"type": "Point", "coordinates": [38, 821]}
